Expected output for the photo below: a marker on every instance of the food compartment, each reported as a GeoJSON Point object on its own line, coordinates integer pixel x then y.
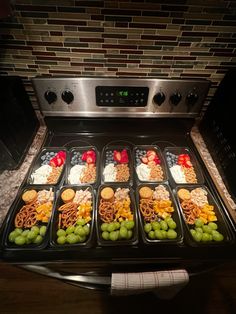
{"type": "Point", "coordinates": [48, 167]}
{"type": "Point", "coordinates": [149, 164]}
{"type": "Point", "coordinates": [183, 166]}
{"type": "Point", "coordinates": [117, 165]}
{"type": "Point", "coordinates": [159, 216]}
{"type": "Point", "coordinates": [27, 226]}
{"type": "Point", "coordinates": [116, 216]}
{"type": "Point", "coordinates": [82, 166]}
{"type": "Point", "coordinates": [73, 219]}
{"type": "Point", "coordinates": [202, 216]}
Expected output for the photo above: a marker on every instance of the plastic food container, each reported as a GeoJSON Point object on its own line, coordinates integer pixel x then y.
{"type": "Point", "coordinates": [149, 164]}
{"type": "Point", "coordinates": [222, 225]}
{"type": "Point", "coordinates": [43, 159]}
{"type": "Point", "coordinates": [120, 241]}
{"type": "Point", "coordinates": [175, 215]}
{"type": "Point", "coordinates": [30, 212]}
{"type": "Point", "coordinates": [83, 165]}
{"type": "Point", "coordinates": [117, 165]}
{"type": "Point", "coordinates": [182, 166]}
{"type": "Point", "coordinates": [80, 242]}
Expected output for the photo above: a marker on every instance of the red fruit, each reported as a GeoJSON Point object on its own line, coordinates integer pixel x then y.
{"type": "Point", "coordinates": [53, 162]}
{"type": "Point", "coordinates": [90, 160]}
{"type": "Point", "coordinates": [61, 154]}
{"type": "Point", "coordinates": [151, 153]}
{"type": "Point", "coordinates": [117, 156]}
{"type": "Point", "coordinates": [157, 160]}
{"type": "Point", "coordinates": [124, 156]}
{"type": "Point", "coordinates": [60, 161]}
{"type": "Point", "coordinates": [188, 164]}
{"type": "Point", "coordinates": [151, 157]}
{"type": "Point", "coordinates": [84, 156]}
{"type": "Point", "coordinates": [91, 153]}
{"type": "Point", "coordinates": [144, 160]}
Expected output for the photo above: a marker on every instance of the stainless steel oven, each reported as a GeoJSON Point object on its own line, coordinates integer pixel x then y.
{"type": "Point", "coordinates": [103, 111]}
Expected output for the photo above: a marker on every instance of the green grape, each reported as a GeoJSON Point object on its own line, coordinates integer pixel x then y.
{"type": "Point", "coordinates": [147, 227]}
{"type": "Point", "coordinates": [35, 229]}
{"type": "Point", "coordinates": [129, 234]}
{"type": "Point", "coordinates": [86, 229]}
{"type": "Point", "coordinates": [27, 240]}
{"type": "Point", "coordinates": [199, 222]}
{"type": "Point", "coordinates": [71, 238]}
{"type": "Point", "coordinates": [123, 233]}
{"type": "Point", "coordinates": [61, 232]}
{"type": "Point", "coordinates": [105, 235]}
{"type": "Point", "coordinates": [31, 235]}
{"type": "Point", "coordinates": [80, 239]}
{"type": "Point", "coordinates": [61, 239]}
{"type": "Point", "coordinates": [171, 234]}
{"type": "Point", "coordinates": [117, 225]}
{"type": "Point", "coordinates": [218, 237]}
{"type": "Point", "coordinates": [25, 233]}
{"type": "Point", "coordinates": [122, 224]}
{"type": "Point", "coordinates": [111, 227]}
{"type": "Point", "coordinates": [70, 230]}
{"type": "Point", "coordinates": [114, 235]}
{"type": "Point", "coordinates": [129, 224]}
{"type": "Point", "coordinates": [81, 232]}
{"type": "Point", "coordinates": [171, 224]}
{"type": "Point", "coordinates": [12, 236]}
{"type": "Point", "coordinates": [151, 234]}
{"type": "Point", "coordinates": [213, 225]}
{"type": "Point", "coordinates": [205, 237]}
{"type": "Point", "coordinates": [168, 218]}
{"type": "Point", "coordinates": [198, 229]}
{"type": "Point", "coordinates": [155, 225]}
{"type": "Point", "coordinates": [164, 234]}
{"type": "Point", "coordinates": [198, 236]}
{"type": "Point", "coordinates": [18, 231]}
{"type": "Point", "coordinates": [19, 240]}
{"type": "Point", "coordinates": [104, 226]}
{"type": "Point", "coordinates": [207, 229]}
{"type": "Point", "coordinates": [158, 234]}
{"type": "Point", "coordinates": [38, 239]}
{"type": "Point", "coordinates": [42, 230]}
{"type": "Point", "coordinates": [210, 237]}
{"type": "Point", "coordinates": [81, 222]}
{"type": "Point", "coordinates": [193, 232]}
{"type": "Point", "coordinates": [163, 225]}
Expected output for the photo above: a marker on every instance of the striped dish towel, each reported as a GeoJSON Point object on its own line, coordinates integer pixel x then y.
{"type": "Point", "coordinates": [165, 284]}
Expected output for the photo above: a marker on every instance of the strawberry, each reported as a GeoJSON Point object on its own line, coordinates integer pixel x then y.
{"type": "Point", "coordinates": [90, 160]}
{"type": "Point", "coordinates": [151, 157]}
{"type": "Point", "coordinates": [53, 162]}
{"type": "Point", "coordinates": [84, 156]}
{"type": "Point", "coordinates": [188, 164]}
{"type": "Point", "coordinates": [124, 157]}
{"type": "Point", "coordinates": [91, 153]}
{"type": "Point", "coordinates": [157, 160]}
{"type": "Point", "coordinates": [151, 153]}
{"type": "Point", "coordinates": [60, 161]}
{"type": "Point", "coordinates": [117, 156]}
{"type": "Point", "coordinates": [144, 160]}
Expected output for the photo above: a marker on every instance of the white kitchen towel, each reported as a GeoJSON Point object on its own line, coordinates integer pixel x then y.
{"type": "Point", "coordinates": [165, 284]}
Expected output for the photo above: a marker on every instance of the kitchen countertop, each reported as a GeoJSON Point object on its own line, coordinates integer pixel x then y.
{"type": "Point", "coordinates": [10, 180]}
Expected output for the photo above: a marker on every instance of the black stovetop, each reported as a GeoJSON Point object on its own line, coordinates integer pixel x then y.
{"type": "Point", "coordinates": [69, 132]}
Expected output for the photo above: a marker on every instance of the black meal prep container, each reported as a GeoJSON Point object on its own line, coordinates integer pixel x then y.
{"type": "Point", "coordinates": [38, 162]}
{"type": "Point", "coordinates": [71, 163]}
{"type": "Point", "coordinates": [17, 204]}
{"type": "Point", "coordinates": [160, 156]}
{"type": "Point", "coordinates": [223, 226]}
{"type": "Point", "coordinates": [112, 148]}
{"type": "Point", "coordinates": [175, 215]}
{"type": "Point", "coordinates": [123, 242]}
{"type": "Point", "coordinates": [55, 219]}
{"type": "Point", "coordinates": [184, 150]}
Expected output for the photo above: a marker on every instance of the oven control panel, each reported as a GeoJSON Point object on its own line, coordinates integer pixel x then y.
{"type": "Point", "coordinates": [120, 97]}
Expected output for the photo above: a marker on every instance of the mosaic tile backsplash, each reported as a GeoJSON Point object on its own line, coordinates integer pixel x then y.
{"type": "Point", "coordinates": [129, 38]}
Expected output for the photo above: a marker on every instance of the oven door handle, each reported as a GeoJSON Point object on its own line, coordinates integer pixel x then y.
{"type": "Point", "coordinates": [86, 280]}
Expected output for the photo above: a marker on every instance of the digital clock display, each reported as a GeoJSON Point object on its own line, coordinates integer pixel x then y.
{"type": "Point", "coordinates": [121, 96]}
{"type": "Point", "coordinates": [122, 93]}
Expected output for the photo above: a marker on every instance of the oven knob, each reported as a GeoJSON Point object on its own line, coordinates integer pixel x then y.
{"type": "Point", "coordinates": [50, 96]}
{"type": "Point", "coordinates": [159, 98]}
{"type": "Point", "coordinates": [175, 98]}
{"type": "Point", "coordinates": [67, 96]}
{"type": "Point", "coordinates": [191, 98]}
